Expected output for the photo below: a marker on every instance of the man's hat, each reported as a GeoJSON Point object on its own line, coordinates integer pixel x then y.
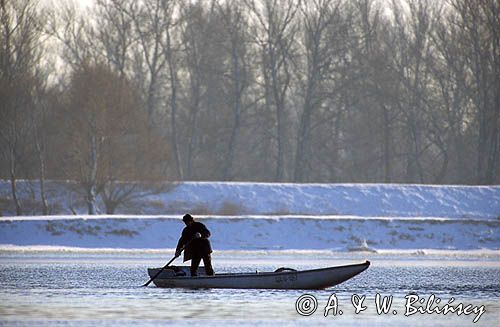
{"type": "Point", "coordinates": [187, 217]}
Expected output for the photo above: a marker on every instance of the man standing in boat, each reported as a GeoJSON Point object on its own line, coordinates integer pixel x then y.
{"type": "Point", "coordinates": [194, 241]}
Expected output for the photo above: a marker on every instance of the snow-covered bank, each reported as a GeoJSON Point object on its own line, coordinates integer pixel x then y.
{"type": "Point", "coordinates": [259, 233]}
{"type": "Point", "coordinates": [366, 200]}
{"type": "Point", "coordinates": [275, 217]}
{"type": "Point", "coordinates": [264, 216]}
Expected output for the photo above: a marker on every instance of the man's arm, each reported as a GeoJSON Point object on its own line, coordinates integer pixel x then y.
{"type": "Point", "coordinates": [205, 233]}
{"type": "Point", "coordinates": [181, 243]}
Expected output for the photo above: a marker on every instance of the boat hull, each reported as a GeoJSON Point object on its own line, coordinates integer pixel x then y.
{"type": "Point", "coordinates": [307, 279]}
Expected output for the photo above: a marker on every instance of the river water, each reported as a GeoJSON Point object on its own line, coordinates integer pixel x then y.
{"type": "Point", "coordinates": [103, 288]}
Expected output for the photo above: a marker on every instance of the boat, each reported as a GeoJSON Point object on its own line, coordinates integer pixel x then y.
{"type": "Point", "coordinates": [281, 278]}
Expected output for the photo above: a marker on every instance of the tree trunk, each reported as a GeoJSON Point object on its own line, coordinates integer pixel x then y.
{"type": "Point", "coordinates": [334, 175]}
{"type": "Point", "coordinates": [111, 207]}
{"type": "Point", "coordinates": [228, 169]}
{"type": "Point", "coordinates": [173, 105]}
{"type": "Point", "coordinates": [387, 145]}
{"type": "Point", "coordinates": [91, 187]}
{"type": "Point", "coordinates": [13, 185]}
{"type": "Point", "coordinates": [41, 163]}
{"type": "Point", "coordinates": [151, 102]}
{"type": "Point", "coordinates": [43, 196]}
{"type": "Point", "coordinates": [91, 195]}
{"type": "Point", "coordinates": [193, 121]}
{"type": "Point", "coordinates": [279, 92]}
{"type": "Point", "coordinates": [303, 139]}
{"type": "Point", "coordinates": [237, 92]}
{"type": "Point", "coordinates": [281, 145]}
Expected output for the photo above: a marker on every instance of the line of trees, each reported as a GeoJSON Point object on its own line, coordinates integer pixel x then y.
{"type": "Point", "coordinates": [257, 90]}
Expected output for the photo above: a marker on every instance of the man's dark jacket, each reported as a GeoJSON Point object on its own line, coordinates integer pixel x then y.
{"type": "Point", "coordinates": [198, 247]}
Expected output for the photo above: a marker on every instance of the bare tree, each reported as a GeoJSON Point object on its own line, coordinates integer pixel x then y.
{"type": "Point", "coordinates": [377, 85]}
{"type": "Point", "coordinates": [450, 73]}
{"type": "Point", "coordinates": [105, 130]}
{"type": "Point", "coordinates": [116, 32]}
{"type": "Point", "coordinates": [205, 109]}
{"type": "Point", "coordinates": [39, 116]}
{"type": "Point", "coordinates": [412, 56]}
{"type": "Point", "coordinates": [277, 29]}
{"type": "Point", "coordinates": [192, 42]}
{"type": "Point", "coordinates": [264, 90]}
{"type": "Point", "coordinates": [70, 25]}
{"type": "Point", "coordinates": [152, 21]}
{"type": "Point", "coordinates": [20, 29]}
{"type": "Point", "coordinates": [236, 27]}
{"type": "Point", "coordinates": [323, 26]}
{"type": "Point", "coordinates": [169, 50]}
{"type": "Point", "coordinates": [479, 41]}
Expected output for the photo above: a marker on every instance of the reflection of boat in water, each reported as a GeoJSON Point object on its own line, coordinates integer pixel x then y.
{"type": "Point", "coordinates": [283, 278]}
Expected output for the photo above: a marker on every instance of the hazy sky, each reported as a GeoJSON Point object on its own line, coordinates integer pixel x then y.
{"type": "Point", "coordinates": [80, 2]}
{"type": "Point", "coordinates": [85, 2]}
